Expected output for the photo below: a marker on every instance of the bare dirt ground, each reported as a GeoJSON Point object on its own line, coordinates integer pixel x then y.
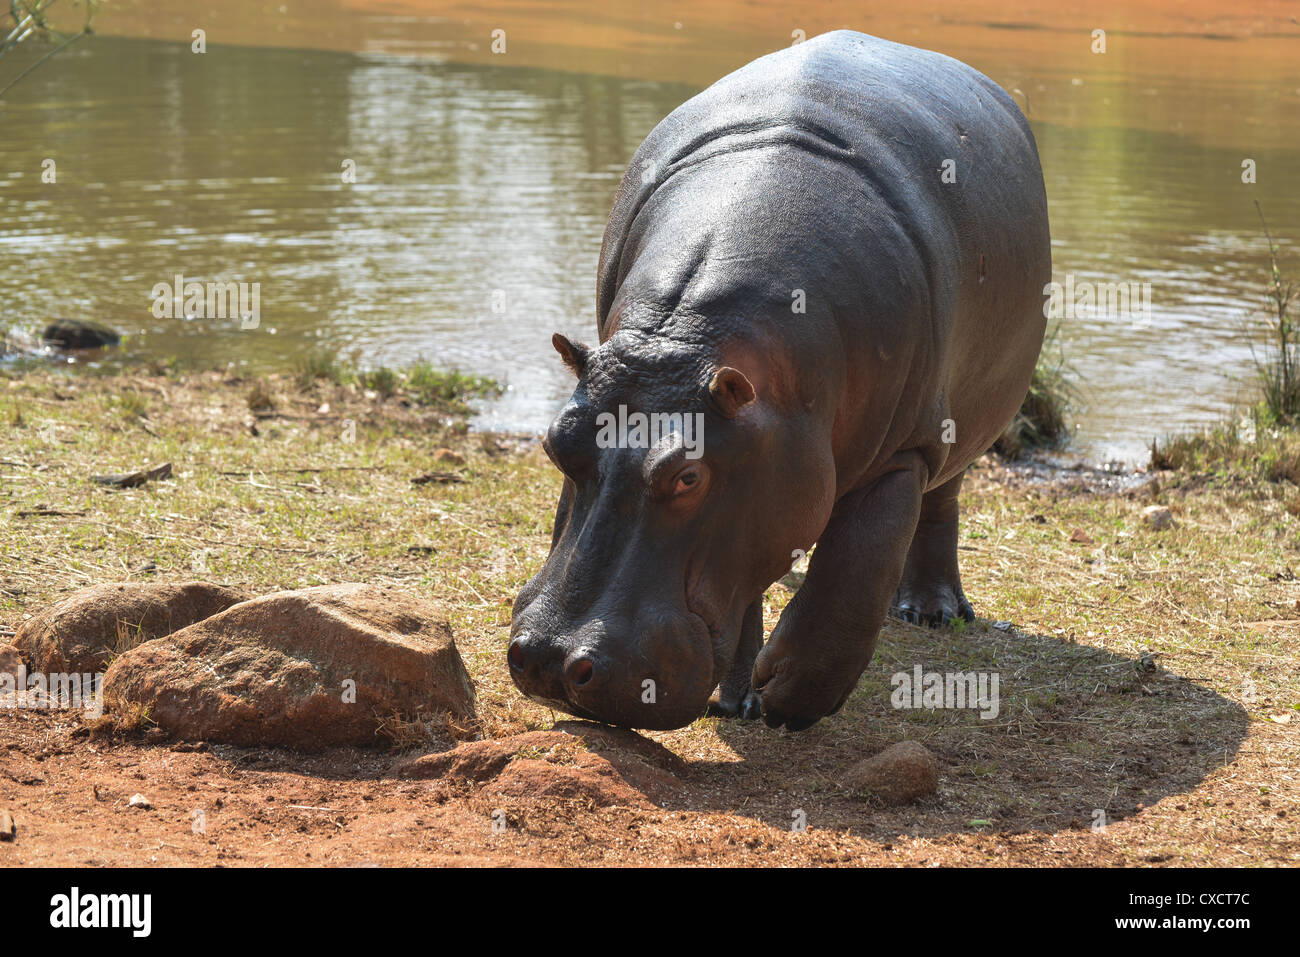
{"type": "Point", "coordinates": [1148, 677]}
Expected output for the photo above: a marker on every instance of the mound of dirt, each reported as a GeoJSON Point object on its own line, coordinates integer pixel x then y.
{"type": "Point", "coordinates": [83, 631]}
{"type": "Point", "coordinates": [902, 772]}
{"type": "Point", "coordinates": [306, 669]}
{"type": "Point", "coordinates": [597, 766]}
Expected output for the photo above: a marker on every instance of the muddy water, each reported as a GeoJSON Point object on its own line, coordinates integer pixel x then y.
{"type": "Point", "coordinates": [482, 180]}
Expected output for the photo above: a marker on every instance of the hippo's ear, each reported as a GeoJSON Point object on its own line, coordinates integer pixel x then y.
{"type": "Point", "coordinates": [573, 354]}
{"type": "Point", "coordinates": [730, 391]}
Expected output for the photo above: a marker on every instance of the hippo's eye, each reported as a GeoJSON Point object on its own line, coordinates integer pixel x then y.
{"type": "Point", "coordinates": [687, 480]}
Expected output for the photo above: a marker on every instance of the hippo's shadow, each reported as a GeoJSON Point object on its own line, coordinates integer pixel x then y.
{"type": "Point", "coordinates": [1080, 735]}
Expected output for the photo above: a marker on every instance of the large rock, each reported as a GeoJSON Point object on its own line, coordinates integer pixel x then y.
{"type": "Point", "coordinates": [304, 669]}
{"type": "Point", "coordinates": [83, 631]}
{"type": "Point", "coordinates": [593, 765]}
{"type": "Point", "coordinates": [900, 773]}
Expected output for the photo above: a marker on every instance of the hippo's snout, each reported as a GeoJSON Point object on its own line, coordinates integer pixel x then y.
{"type": "Point", "coordinates": [544, 669]}
{"type": "Point", "coordinates": [656, 678]}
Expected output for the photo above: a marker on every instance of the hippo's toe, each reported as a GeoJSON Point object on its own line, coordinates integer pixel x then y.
{"type": "Point", "coordinates": [774, 719]}
{"type": "Point", "coordinates": [749, 707]}
{"type": "Point", "coordinates": [936, 612]}
{"type": "Point", "coordinates": [907, 613]}
{"type": "Point", "coordinates": [720, 709]}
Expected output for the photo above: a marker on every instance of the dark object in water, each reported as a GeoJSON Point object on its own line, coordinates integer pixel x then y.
{"type": "Point", "coordinates": [133, 479]}
{"type": "Point", "coordinates": [77, 334]}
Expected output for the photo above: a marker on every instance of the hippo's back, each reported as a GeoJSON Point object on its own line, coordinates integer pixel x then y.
{"type": "Point", "coordinates": [941, 161]}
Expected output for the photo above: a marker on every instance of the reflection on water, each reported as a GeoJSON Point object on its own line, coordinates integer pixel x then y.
{"type": "Point", "coordinates": [470, 234]}
{"type": "Point", "coordinates": [474, 223]}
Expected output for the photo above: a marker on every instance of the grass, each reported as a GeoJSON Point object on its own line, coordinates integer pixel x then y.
{"type": "Point", "coordinates": [260, 398]}
{"type": "Point", "coordinates": [26, 20]}
{"type": "Point", "coordinates": [133, 718]}
{"type": "Point", "coordinates": [1261, 443]}
{"type": "Point", "coordinates": [1278, 368]}
{"type": "Point", "coordinates": [1252, 447]}
{"type": "Point", "coordinates": [284, 500]}
{"type": "Point", "coordinates": [13, 415]}
{"type": "Point", "coordinates": [421, 383]}
{"type": "Point", "coordinates": [1042, 421]}
{"type": "Point", "coordinates": [130, 405]}
{"type": "Point", "coordinates": [324, 365]}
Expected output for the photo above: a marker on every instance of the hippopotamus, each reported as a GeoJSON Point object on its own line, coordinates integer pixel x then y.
{"type": "Point", "coordinates": [832, 262]}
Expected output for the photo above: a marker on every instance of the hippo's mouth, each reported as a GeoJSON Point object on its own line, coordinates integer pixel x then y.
{"type": "Point", "coordinates": [568, 707]}
{"type": "Point", "coordinates": [714, 631]}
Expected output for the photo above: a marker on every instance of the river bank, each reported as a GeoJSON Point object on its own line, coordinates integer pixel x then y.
{"type": "Point", "coordinates": [1148, 673]}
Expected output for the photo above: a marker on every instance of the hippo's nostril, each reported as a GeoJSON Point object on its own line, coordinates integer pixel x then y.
{"type": "Point", "coordinates": [579, 671]}
{"type": "Point", "coordinates": [516, 653]}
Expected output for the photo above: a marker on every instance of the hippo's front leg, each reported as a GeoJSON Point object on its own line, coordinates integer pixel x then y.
{"type": "Point", "coordinates": [734, 697]}
{"type": "Point", "coordinates": [828, 631]}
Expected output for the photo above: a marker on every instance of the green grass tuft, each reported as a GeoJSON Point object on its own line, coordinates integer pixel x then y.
{"type": "Point", "coordinates": [1042, 421]}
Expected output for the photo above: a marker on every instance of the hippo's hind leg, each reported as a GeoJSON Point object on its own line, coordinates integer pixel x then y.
{"type": "Point", "coordinates": [828, 631]}
{"type": "Point", "coordinates": [930, 592]}
{"type": "Point", "coordinates": [734, 698]}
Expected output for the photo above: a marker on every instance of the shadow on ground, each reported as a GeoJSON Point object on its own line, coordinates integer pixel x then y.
{"type": "Point", "coordinates": [1079, 733]}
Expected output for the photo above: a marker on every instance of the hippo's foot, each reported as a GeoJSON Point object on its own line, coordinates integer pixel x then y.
{"type": "Point", "coordinates": [930, 591]}
{"type": "Point", "coordinates": [796, 693]}
{"type": "Point", "coordinates": [734, 697]}
{"type": "Point", "coordinates": [749, 707]}
{"type": "Point", "coordinates": [936, 604]}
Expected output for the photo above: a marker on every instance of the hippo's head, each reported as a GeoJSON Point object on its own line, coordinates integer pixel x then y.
{"type": "Point", "coordinates": [685, 492]}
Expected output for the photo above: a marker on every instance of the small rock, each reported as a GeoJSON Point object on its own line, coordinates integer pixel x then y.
{"type": "Point", "coordinates": [448, 457]}
{"type": "Point", "coordinates": [900, 773]}
{"type": "Point", "coordinates": [80, 633]}
{"type": "Point", "coordinates": [78, 334]}
{"type": "Point", "coordinates": [307, 669]}
{"type": "Point", "coordinates": [1080, 537]}
{"type": "Point", "coordinates": [7, 828]}
{"type": "Point", "coordinates": [1158, 517]}
{"type": "Point", "coordinates": [140, 801]}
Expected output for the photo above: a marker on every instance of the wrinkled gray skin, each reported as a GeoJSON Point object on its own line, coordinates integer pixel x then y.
{"type": "Point", "coordinates": [816, 169]}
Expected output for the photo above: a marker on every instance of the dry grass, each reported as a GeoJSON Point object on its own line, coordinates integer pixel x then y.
{"type": "Point", "coordinates": [1250, 447]}
{"type": "Point", "coordinates": [1149, 676]}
